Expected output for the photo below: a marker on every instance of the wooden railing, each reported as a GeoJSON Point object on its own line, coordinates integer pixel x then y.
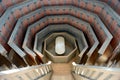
{"type": "Point", "coordinates": [28, 73]}
{"type": "Point", "coordinates": [95, 72]}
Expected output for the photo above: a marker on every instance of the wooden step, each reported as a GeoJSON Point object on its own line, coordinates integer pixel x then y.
{"type": "Point", "coordinates": [62, 71]}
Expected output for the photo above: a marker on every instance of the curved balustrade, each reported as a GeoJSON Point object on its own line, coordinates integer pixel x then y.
{"type": "Point", "coordinates": [96, 72]}
{"type": "Point", "coordinates": [28, 73]}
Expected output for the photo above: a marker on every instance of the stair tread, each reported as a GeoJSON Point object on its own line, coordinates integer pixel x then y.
{"type": "Point", "coordinates": [62, 71]}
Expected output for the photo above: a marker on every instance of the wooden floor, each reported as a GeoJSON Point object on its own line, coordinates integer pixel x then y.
{"type": "Point", "coordinates": [62, 71]}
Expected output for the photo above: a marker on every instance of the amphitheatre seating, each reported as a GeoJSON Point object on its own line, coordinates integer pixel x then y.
{"type": "Point", "coordinates": [96, 21]}
{"type": "Point", "coordinates": [112, 22]}
{"type": "Point", "coordinates": [115, 4]}
{"type": "Point", "coordinates": [81, 2]}
{"type": "Point", "coordinates": [93, 19]}
{"type": "Point", "coordinates": [4, 4]}
{"type": "Point", "coordinates": [15, 42]}
{"type": "Point", "coordinates": [101, 9]}
{"type": "Point", "coordinates": [10, 17]}
{"type": "Point", "coordinates": [75, 3]}
{"type": "Point", "coordinates": [85, 27]}
{"type": "Point", "coordinates": [108, 16]}
{"type": "Point", "coordinates": [58, 28]}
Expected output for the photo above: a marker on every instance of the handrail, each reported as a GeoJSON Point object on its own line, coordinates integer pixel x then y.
{"type": "Point", "coordinates": [27, 73]}
{"type": "Point", "coordinates": [96, 72]}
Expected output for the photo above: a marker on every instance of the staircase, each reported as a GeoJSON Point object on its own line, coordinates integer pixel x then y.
{"type": "Point", "coordinates": [40, 72]}
{"type": "Point", "coordinates": [61, 71]}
